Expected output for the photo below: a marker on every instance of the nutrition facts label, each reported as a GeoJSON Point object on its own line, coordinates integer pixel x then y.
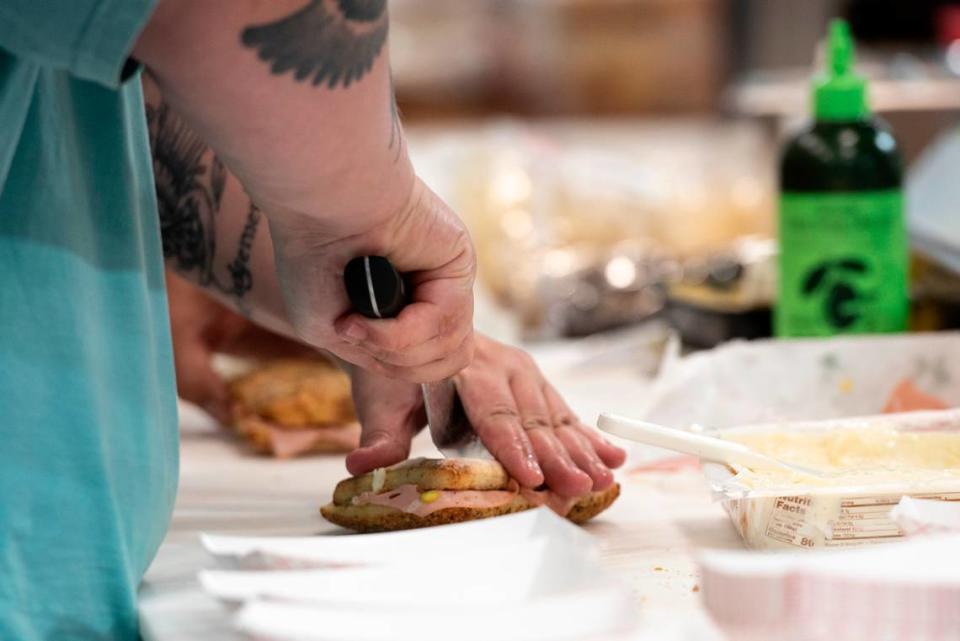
{"type": "Point", "coordinates": [788, 521]}
{"type": "Point", "coordinates": [862, 519]}
{"type": "Point", "coordinates": [855, 520]}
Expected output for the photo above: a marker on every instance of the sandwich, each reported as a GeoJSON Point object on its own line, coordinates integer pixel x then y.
{"type": "Point", "coordinates": [291, 407]}
{"type": "Point", "coordinates": [425, 492]}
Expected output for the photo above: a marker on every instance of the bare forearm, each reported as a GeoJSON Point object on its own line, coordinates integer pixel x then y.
{"type": "Point", "coordinates": [294, 97]}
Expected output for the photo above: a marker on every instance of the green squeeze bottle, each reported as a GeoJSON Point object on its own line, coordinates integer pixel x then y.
{"type": "Point", "coordinates": [843, 246]}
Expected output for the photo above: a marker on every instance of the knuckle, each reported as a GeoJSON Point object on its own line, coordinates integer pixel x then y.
{"type": "Point", "coordinates": [564, 420]}
{"type": "Point", "coordinates": [497, 415]}
{"type": "Point", "coordinates": [377, 434]}
{"type": "Point", "coordinates": [543, 439]}
{"type": "Point", "coordinates": [454, 327]}
{"type": "Point", "coordinates": [519, 359]}
{"type": "Point", "coordinates": [502, 410]}
{"type": "Point", "coordinates": [466, 257]}
{"type": "Point", "coordinates": [535, 421]}
{"type": "Point", "coordinates": [477, 380]}
{"type": "Point", "coordinates": [387, 343]}
{"type": "Point", "coordinates": [525, 360]}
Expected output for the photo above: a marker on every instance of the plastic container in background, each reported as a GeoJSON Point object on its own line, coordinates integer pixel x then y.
{"type": "Point", "coordinates": [826, 515]}
{"type": "Point", "coordinates": [797, 383]}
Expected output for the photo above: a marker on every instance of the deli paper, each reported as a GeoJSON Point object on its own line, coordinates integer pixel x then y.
{"type": "Point", "coordinates": [744, 383]}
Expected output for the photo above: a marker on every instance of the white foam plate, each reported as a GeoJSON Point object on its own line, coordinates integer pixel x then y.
{"type": "Point", "coordinates": [585, 614]}
{"type": "Point", "coordinates": [492, 575]}
{"type": "Point", "coordinates": [375, 549]}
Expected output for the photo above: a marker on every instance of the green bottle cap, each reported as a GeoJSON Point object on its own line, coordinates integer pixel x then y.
{"type": "Point", "coordinates": [839, 93]}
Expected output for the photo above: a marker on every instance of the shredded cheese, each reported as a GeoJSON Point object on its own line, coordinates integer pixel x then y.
{"type": "Point", "coordinates": [379, 478]}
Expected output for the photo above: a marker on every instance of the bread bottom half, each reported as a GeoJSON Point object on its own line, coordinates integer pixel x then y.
{"type": "Point", "coordinates": [377, 518]}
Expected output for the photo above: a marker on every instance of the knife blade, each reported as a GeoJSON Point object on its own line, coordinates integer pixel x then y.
{"type": "Point", "coordinates": [377, 290]}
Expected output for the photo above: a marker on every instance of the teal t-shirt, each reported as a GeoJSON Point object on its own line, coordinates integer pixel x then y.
{"type": "Point", "coordinates": [88, 440]}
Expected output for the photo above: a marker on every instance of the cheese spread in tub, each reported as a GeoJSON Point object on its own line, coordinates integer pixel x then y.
{"type": "Point", "coordinates": [868, 465]}
{"type": "Point", "coordinates": [859, 455]}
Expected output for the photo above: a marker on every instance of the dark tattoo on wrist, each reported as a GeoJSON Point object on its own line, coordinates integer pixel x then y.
{"type": "Point", "coordinates": [239, 268]}
{"type": "Point", "coordinates": [328, 41]}
{"type": "Point", "coordinates": [190, 181]}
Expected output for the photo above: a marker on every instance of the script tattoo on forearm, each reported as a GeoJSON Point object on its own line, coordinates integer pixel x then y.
{"type": "Point", "coordinates": [328, 41]}
{"type": "Point", "coordinates": [239, 268]}
{"type": "Point", "coordinates": [190, 182]}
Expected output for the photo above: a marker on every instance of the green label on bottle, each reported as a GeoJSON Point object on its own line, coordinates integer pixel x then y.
{"type": "Point", "coordinates": [843, 264]}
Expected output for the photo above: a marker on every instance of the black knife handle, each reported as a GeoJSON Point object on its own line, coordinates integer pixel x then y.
{"type": "Point", "coordinates": [375, 288]}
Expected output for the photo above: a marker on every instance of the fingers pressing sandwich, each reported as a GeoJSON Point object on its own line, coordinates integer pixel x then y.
{"type": "Point", "coordinates": [528, 427]}
{"type": "Point", "coordinates": [518, 415]}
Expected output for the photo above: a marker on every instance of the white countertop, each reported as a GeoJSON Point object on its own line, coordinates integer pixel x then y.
{"type": "Point", "coordinates": [648, 538]}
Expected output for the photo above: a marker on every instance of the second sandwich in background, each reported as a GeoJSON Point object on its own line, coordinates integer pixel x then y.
{"type": "Point", "coordinates": [292, 407]}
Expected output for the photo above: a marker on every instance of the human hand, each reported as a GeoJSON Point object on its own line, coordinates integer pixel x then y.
{"type": "Point", "coordinates": [517, 414]}
{"type": "Point", "coordinates": [201, 327]}
{"type": "Point", "coordinates": [432, 338]}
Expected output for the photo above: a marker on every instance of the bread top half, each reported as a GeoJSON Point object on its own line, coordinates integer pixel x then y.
{"type": "Point", "coordinates": [427, 474]}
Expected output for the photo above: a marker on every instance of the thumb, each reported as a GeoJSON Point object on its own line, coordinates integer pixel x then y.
{"type": "Point", "coordinates": [390, 413]}
{"type": "Point", "coordinates": [379, 447]}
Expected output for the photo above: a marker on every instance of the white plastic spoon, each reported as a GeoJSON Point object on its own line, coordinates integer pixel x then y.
{"type": "Point", "coordinates": [709, 448]}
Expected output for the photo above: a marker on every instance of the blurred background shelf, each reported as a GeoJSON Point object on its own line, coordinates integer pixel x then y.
{"type": "Point", "coordinates": [615, 159]}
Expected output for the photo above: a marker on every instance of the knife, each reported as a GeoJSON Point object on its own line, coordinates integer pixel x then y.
{"type": "Point", "coordinates": [377, 290]}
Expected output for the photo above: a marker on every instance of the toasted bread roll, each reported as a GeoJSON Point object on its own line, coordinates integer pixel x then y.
{"type": "Point", "coordinates": [593, 504]}
{"type": "Point", "coordinates": [376, 518]}
{"type": "Point", "coordinates": [428, 474]}
{"type": "Point", "coordinates": [293, 393]}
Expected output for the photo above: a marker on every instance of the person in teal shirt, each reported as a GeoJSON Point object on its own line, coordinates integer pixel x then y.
{"type": "Point", "coordinates": [288, 105]}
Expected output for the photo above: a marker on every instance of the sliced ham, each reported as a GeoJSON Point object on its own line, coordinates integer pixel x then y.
{"type": "Point", "coordinates": [559, 504]}
{"type": "Point", "coordinates": [286, 442]}
{"type": "Point", "coordinates": [407, 498]}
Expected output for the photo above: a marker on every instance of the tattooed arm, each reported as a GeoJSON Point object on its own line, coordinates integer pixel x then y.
{"type": "Point", "coordinates": [295, 98]}
{"type": "Point", "coordinates": [294, 95]}
{"type": "Point", "coordinates": [211, 230]}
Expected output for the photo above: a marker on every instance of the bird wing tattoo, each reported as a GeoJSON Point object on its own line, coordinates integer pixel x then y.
{"type": "Point", "coordinates": [327, 41]}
